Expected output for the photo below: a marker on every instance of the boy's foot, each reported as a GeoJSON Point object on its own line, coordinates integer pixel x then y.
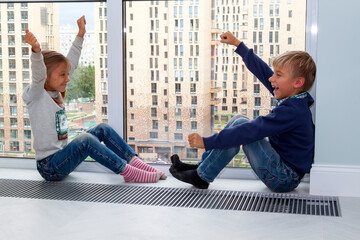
{"type": "Point", "coordinates": [189, 176]}
{"type": "Point", "coordinates": [136, 162]}
{"type": "Point", "coordinates": [132, 174]}
{"type": "Point", "coordinates": [180, 166]}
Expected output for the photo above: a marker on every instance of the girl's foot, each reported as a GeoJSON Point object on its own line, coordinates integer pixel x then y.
{"type": "Point", "coordinates": [136, 162]}
{"type": "Point", "coordinates": [132, 174]}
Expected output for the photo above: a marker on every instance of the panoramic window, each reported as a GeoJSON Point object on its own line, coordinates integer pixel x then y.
{"type": "Point", "coordinates": [179, 78]}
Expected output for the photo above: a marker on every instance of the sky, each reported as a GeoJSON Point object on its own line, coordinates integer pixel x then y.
{"type": "Point", "coordinates": [70, 12]}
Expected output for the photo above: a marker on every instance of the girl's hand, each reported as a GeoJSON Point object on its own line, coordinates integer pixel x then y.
{"type": "Point", "coordinates": [196, 141]}
{"type": "Point", "coordinates": [32, 41]}
{"type": "Point", "coordinates": [229, 38]}
{"type": "Point", "coordinates": [81, 22]}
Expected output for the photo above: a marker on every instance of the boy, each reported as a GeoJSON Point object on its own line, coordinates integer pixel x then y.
{"type": "Point", "coordinates": [282, 160]}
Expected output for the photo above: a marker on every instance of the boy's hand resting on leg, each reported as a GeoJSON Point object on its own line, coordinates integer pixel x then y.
{"type": "Point", "coordinates": [196, 141]}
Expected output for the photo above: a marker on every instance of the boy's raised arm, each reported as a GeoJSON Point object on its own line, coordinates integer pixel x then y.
{"type": "Point", "coordinates": [255, 64]}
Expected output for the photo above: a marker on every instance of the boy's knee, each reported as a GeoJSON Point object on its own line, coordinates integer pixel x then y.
{"type": "Point", "coordinates": [239, 116]}
{"type": "Point", "coordinates": [237, 120]}
{"type": "Point", "coordinates": [102, 126]}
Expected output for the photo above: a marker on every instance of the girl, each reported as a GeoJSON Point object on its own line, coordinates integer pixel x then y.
{"type": "Point", "coordinates": [44, 98]}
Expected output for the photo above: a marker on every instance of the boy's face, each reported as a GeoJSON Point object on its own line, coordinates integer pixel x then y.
{"type": "Point", "coordinates": [284, 85]}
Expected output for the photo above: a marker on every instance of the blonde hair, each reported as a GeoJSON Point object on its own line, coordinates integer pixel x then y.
{"type": "Point", "coordinates": [52, 59]}
{"type": "Point", "coordinates": [299, 64]}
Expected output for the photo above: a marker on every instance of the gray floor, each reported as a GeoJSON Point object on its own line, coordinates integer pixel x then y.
{"type": "Point", "coordinates": [50, 219]}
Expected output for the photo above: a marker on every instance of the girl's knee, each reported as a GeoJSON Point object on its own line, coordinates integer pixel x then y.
{"type": "Point", "coordinates": [84, 137]}
{"type": "Point", "coordinates": [101, 127]}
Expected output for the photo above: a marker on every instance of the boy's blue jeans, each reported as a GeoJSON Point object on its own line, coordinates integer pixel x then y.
{"type": "Point", "coordinates": [114, 155]}
{"type": "Point", "coordinates": [264, 160]}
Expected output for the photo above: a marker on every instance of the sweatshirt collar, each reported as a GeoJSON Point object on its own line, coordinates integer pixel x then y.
{"type": "Point", "coordinates": [301, 95]}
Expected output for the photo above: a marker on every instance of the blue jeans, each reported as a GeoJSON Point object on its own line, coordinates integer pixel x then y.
{"type": "Point", "coordinates": [114, 155]}
{"type": "Point", "coordinates": [264, 160]}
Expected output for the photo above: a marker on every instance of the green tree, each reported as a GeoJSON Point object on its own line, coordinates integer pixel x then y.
{"type": "Point", "coordinates": [82, 83]}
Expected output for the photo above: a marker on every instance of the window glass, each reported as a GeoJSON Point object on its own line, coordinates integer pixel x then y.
{"type": "Point", "coordinates": [207, 82]}
{"type": "Point", "coordinates": [55, 27]}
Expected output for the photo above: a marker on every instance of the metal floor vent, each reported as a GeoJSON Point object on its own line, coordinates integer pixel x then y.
{"type": "Point", "coordinates": [172, 197]}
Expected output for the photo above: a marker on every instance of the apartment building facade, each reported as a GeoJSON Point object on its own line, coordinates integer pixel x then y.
{"type": "Point", "coordinates": [15, 74]}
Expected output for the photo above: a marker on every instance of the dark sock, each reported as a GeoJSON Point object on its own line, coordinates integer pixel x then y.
{"type": "Point", "coordinates": [189, 176]}
{"type": "Point", "coordinates": [180, 166]}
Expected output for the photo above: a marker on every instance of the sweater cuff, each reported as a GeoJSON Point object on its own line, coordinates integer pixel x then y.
{"type": "Point", "coordinates": [208, 143]}
{"type": "Point", "coordinates": [36, 56]}
{"type": "Point", "coordinates": [242, 49]}
{"type": "Point", "coordinates": [78, 42]}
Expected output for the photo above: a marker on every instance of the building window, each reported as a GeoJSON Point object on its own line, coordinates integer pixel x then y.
{"type": "Point", "coordinates": [191, 153]}
{"type": "Point", "coordinates": [256, 88]}
{"type": "Point", "coordinates": [178, 125]}
{"type": "Point", "coordinates": [193, 113]}
{"type": "Point", "coordinates": [256, 113]}
{"type": "Point", "coordinates": [153, 87]}
{"type": "Point", "coordinates": [13, 134]}
{"type": "Point", "coordinates": [153, 135]}
{"type": "Point", "coordinates": [13, 111]}
{"type": "Point", "coordinates": [257, 102]}
{"type": "Point", "coordinates": [193, 126]}
{"type": "Point", "coordinates": [178, 136]}
{"type": "Point", "coordinates": [27, 134]}
{"type": "Point", "coordinates": [153, 112]}
{"type": "Point", "coordinates": [177, 88]}
{"type": "Point", "coordinates": [178, 100]}
{"type": "Point", "coordinates": [154, 100]}
{"type": "Point", "coordinates": [155, 124]}
{"type": "Point", "coordinates": [27, 147]}
{"type": "Point", "coordinates": [289, 40]}
{"type": "Point", "coordinates": [14, 146]}
{"type": "Point", "coordinates": [13, 122]}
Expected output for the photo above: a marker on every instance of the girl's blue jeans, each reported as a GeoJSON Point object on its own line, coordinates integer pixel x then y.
{"type": "Point", "coordinates": [264, 160]}
{"type": "Point", "coordinates": [114, 154]}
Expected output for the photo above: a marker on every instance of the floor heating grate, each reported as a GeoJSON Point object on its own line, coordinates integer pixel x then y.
{"type": "Point", "coordinates": [172, 197]}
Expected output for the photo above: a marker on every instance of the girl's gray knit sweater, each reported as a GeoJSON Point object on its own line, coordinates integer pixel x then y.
{"type": "Point", "coordinates": [42, 108]}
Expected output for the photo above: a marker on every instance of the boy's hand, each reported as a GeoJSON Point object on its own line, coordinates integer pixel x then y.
{"type": "Point", "coordinates": [229, 38]}
{"type": "Point", "coordinates": [81, 22]}
{"type": "Point", "coordinates": [32, 41]}
{"type": "Point", "coordinates": [196, 141]}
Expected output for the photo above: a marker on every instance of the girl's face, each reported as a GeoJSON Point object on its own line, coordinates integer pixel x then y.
{"type": "Point", "coordinates": [58, 79]}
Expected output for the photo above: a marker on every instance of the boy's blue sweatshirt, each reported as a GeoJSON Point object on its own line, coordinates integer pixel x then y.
{"type": "Point", "coordinates": [289, 126]}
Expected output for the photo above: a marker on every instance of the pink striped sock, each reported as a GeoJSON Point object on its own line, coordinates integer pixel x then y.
{"type": "Point", "coordinates": [133, 174]}
{"type": "Point", "coordinates": [136, 162]}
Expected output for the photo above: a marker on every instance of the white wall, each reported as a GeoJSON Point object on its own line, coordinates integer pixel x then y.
{"type": "Point", "coordinates": [337, 146]}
